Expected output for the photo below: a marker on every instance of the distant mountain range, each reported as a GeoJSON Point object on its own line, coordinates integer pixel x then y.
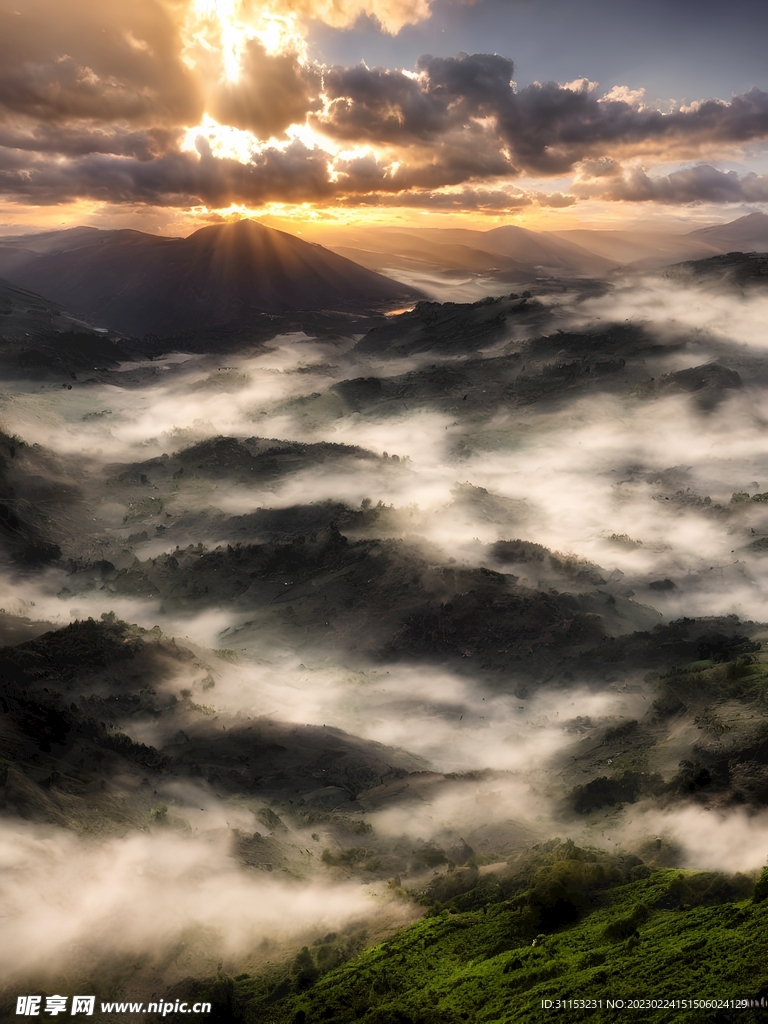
{"type": "Point", "coordinates": [656, 248]}
{"type": "Point", "coordinates": [746, 233]}
{"type": "Point", "coordinates": [512, 253]}
{"type": "Point", "coordinates": [139, 283]}
{"type": "Point", "coordinates": [508, 253]}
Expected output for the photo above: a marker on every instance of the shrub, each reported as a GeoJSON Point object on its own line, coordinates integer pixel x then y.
{"type": "Point", "coordinates": [761, 887]}
{"type": "Point", "coordinates": [625, 927]}
{"type": "Point", "coordinates": [552, 906]}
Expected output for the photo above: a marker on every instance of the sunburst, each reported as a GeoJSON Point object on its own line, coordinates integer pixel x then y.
{"type": "Point", "coordinates": [223, 29]}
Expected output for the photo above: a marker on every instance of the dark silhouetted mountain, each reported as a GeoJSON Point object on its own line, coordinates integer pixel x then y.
{"type": "Point", "coordinates": [139, 283]}
{"type": "Point", "coordinates": [54, 241]}
{"type": "Point", "coordinates": [38, 339]}
{"type": "Point", "coordinates": [23, 314]}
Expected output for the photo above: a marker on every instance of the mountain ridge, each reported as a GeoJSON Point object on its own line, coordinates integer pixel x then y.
{"type": "Point", "coordinates": [139, 283]}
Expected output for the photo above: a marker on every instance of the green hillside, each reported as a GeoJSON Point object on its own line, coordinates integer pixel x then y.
{"type": "Point", "coordinates": [566, 924]}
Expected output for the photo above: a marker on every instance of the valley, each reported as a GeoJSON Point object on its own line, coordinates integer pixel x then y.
{"type": "Point", "coordinates": [329, 636]}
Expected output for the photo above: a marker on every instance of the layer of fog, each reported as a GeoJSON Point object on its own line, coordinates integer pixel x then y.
{"type": "Point", "coordinates": [464, 730]}
{"type": "Point", "coordinates": [450, 286]}
{"type": "Point", "coordinates": [585, 473]}
{"type": "Point", "coordinates": [504, 754]}
{"type": "Point", "coordinates": [631, 486]}
{"type": "Point", "coordinates": [719, 840]}
{"type": "Point", "coordinates": [185, 400]}
{"type": "Point", "coordinates": [70, 903]}
{"type": "Point", "coordinates": [40, 598]}
{"type": "Point", "coordinates": [676, 308]}
{"type": "Point", "coordinates": [455, 724]}
{"type": "Point", "coordinates": [597, 479]}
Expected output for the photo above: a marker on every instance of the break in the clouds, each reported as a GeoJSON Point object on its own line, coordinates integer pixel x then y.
{"type": "Point", "coordinates": [218, 103]}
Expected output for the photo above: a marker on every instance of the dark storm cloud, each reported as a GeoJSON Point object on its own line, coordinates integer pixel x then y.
{"type": "Point", "coordinates": [390, 106]}
{"type": "Point", "coordinates": [545, 129]}
{"type": "Point", "coordinates": [700, 184]}
{"type": "Point", "coordinates": [80, 139]}
{"type": "Point", "coordinates": [468, 199]}
{"type": "Point", "coordinates": [294, 174]}
{"type": "Point", "coordinates": [454, 159]}
{"type": "Point", "coordinates": [551, 127]}
{"type": "Point", "coordinates": [271, 93]}
{"type": "Point", "coordinates": [103, 60]}
{"type": "Point", "coordinates": [95, 99]}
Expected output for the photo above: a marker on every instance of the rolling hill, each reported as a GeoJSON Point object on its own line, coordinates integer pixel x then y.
{"type": "Point", "coordinates": [139, 283]}
{"type": "Point", "coordinates": [513, 253]}
{"type": "Point", "coordinates": [747, 234]}
{"type": "Point", "coordinates": [653, 249]}
{"type": "Point", "coordinates": [503, 251]}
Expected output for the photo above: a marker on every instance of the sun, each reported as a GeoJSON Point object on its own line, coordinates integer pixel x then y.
{"type": "Point", "coordinates": [217, 32]}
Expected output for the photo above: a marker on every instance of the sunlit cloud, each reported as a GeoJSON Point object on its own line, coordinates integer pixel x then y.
{"type": "Point", "coordinates": [214, 104]}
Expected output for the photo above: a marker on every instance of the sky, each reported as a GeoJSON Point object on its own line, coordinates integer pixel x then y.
{"type": "Point", "coordinates": [168, 114]}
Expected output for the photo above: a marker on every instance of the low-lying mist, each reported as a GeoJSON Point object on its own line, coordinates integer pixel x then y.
{"type": "Point", "coordinates": [603, 470]}
{"type": "Point", "coordinates": [171, 903]}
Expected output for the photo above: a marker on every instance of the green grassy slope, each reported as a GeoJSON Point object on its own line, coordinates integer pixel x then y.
{"type": "Point", "coordinates": [567, 925]}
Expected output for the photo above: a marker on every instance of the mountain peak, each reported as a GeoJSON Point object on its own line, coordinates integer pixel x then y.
{"type": "Point", "coordinates": [221, 274]}
{"type": "Point", "coordinates": [244, 226]}
{"type": "Point", "coordinates": [747, 232]}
